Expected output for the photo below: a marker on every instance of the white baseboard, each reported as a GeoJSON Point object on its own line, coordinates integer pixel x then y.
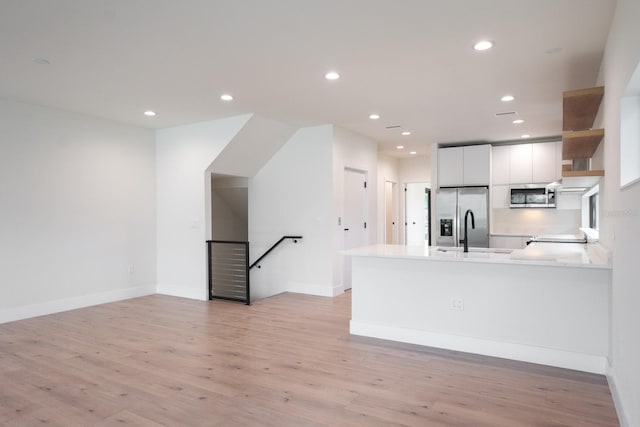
{"type": "Point", "coordinates": [525, 353]}
{"type": "Point", "coordinates": [322, 291]}
{"type": "Point", "coordinates": [65, 304]}
{"type": "Point", "coordinates": [615, 395]}
{"type": "Point", "coordinates": [199, 293]}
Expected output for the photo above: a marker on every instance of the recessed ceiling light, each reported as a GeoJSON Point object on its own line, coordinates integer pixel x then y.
{"type": "Point", "coordinates": [517, 121]}
{"type": "Point", "coordinates": [526, 135]}
{"type": "Point", "coordinates": [412, 152]}
{"type": "Point", "coordinates": [405, 133]}
{"type": "Point", "coordinates": [149, 113]}
{"type": "Point", "coordinates": [226, 97]}
{"type": "Point", "coordinates": [507, 98]}
{"type": "Point", "coordinates": [483, 45]}
{"type": "Point", "coordinates": [374, 116]}
{"type": "Point", "coordinates": [41, 61]}
{"type": "Point", "coordinates": [399, 147]}
{"type": "Point", "coordinates": [332, 75]}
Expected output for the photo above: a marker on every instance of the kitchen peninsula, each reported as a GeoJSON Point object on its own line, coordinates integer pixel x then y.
{"type": "Point", "coordinates": [548, 303]}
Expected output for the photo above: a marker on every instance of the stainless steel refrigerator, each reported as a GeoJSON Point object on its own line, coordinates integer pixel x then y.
{"type": "Point", "coordinates": [452, 204]}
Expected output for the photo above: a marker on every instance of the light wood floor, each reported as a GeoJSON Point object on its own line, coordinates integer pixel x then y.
{"type": "Point", "coordinates": [285, 361]}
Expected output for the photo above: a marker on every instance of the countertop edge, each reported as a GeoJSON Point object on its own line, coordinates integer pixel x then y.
{"type": "Point", "coordinates": [374, 251]}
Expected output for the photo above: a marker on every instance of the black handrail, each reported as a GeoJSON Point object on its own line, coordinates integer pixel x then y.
{"type": "Point", "coordinates": [294, 238]}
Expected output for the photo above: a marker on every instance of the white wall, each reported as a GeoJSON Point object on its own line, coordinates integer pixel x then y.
{"type": "Point", "coordinates": [77, 202]}
{"type": "Point", "coordinates": [354, 151]}
{"type": "Point", "coordinates": [183, 188]}
{"type": "Point", "coordinates": [531, 222]}
{"type": "Point", "coordinates": [415, 169]}
{"type": "Point", "coordinates": [620, 214]}
{"type": "Point", "coordinates": [291, 195]}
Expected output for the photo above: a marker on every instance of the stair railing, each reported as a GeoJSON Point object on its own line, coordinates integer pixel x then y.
{"type": "Point", "coordinates": [228, 265]}
{"type": "Point", "coordinates": [282, 239]}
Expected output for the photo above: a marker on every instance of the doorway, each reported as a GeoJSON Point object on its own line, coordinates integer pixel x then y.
{"type": "Point", "coordinates": [417, 214]}
{"type": "Point", "coordinates": [354, 217]}
{"type": "Point", "coordinates": [390, 213]}
{"type": "Point", "coordinates": [229, 208]}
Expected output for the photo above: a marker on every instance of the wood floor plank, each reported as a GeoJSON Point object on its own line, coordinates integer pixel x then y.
{"type": "Point", "coordinates": [126, 417]}
{"type": "Point", "coordinates": [284, 361]}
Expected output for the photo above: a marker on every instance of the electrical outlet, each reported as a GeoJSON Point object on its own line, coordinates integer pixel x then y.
{"type": "Point", "coordinates": [457, 303]}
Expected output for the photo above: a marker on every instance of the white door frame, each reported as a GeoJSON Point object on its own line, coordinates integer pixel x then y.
{"type": "Point", "coordinates": [394, 213]}
{"type": "Point", "coordinates": [346, 260]}
{"type": "Point", "coordinates": [405, 221]}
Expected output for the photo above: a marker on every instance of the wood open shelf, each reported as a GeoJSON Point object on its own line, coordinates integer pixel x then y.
{"type": "Point", "coordinates": [581, 144]}
{"type": "Point", "coordinates": [572, 174]}
{"type": "Point", "coordinates": [580, 107]}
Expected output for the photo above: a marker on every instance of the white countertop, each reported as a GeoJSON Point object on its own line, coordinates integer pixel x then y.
{"type": "Point", "coordinates": [538, 253]}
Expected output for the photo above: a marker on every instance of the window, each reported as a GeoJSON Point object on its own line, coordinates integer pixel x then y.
{"type": "Point", "coordinates": [591, 213]}
{"type": "Point", "coordinates": [594, 200]}
{"type": "Point", "coordinates": [630, 132]}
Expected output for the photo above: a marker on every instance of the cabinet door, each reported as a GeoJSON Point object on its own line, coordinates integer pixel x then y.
{"type": "Point", "coordinates": [544, 162]}
{"type": "Point", "coordinates": [520, 162]}
{"type": "Point", "coordinates": [500, 164]}
{"type": "Point", "coordinates": [500, 197]}
{"type": "Point", "coordinates": [559, 160]}
{"type": "Point", "coordinates": [477, 164]}
{"type": "Point", "coordinates": [450, 167]}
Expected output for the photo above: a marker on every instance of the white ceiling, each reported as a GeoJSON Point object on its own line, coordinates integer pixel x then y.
{"type": "Point", "coordinates": [410, 61]}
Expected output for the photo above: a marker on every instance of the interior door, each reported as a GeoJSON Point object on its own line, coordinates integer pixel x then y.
{"type": "Point", "coordinates": [354, 217]}
{"type": "Point", "coordinates": [390, 213]}
{"type": "Point", "coordinates": [417, 213]}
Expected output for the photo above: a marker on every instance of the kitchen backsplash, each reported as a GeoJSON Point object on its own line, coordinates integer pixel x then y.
{"type": "Point", "coordinates": [530, 222]}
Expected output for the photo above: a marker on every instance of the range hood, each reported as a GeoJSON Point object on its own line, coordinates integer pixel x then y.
{"type": "Point", "coordinates": [574, 184]}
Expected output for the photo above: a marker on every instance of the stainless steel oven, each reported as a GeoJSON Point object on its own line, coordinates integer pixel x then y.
{"type": "Point", "coordinates": [532, 196]}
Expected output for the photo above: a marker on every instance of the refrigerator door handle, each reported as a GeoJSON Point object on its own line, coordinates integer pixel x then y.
{"type": "Point", "coordinates": [456, 232]}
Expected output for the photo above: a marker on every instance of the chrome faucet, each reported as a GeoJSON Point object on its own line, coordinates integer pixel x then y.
{"type": "Point", "coordinates": [473, 225]}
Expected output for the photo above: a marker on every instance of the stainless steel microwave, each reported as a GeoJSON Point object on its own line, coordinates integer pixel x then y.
{"type": "Point", "coordinates": [532, 196]}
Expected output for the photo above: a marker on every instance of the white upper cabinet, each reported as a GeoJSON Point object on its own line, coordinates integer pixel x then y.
{"type": "Point", "coordinates": [501, 164]}
{"type": "Point", "coordinates": [521, 164]}
{"type": "Point", "coordinates": [544, 162]}
{"type": "Point", "coordinates": [469, 165]}
{"type": "Point", "coordinates": [536, 163]}
{"type": "Point", "coordinates": [450, 166]}
{"type": "Point", "coordinates": [477, 164]}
